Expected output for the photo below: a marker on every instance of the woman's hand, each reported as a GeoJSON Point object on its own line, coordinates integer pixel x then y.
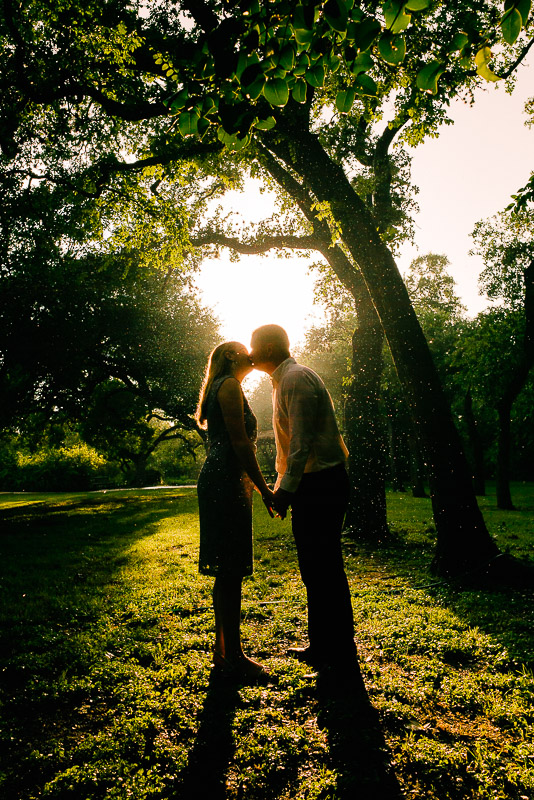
{"type": "Point", "coordinates": [268, 498]}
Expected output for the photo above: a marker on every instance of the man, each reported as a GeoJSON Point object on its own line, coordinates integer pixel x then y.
{"type": "Point", "coordinates": [312, 479]}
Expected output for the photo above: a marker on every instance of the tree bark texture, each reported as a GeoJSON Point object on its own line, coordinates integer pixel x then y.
{"type": "Point", "coordinates": [417, 466]}
{"type": "Point", "coordinates": [504, 495]}
{"type": "Point", "coordinates": [365, 434]}
{"type": "Point", "coordinates": [504, 406]}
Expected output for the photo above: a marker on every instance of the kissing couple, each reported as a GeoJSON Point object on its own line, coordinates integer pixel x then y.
{"type": "Point", "coordinates": [312, 481]}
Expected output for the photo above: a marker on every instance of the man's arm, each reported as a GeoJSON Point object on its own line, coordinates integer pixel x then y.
{"type": "Point", "coordinates": [301, 401]}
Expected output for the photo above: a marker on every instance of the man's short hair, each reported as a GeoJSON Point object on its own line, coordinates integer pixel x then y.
{"type": "Point", "coordinates": [272, 334]}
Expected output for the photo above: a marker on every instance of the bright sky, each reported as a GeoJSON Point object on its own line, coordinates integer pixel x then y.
{"type": "Point", "coordinates": [467, 174]}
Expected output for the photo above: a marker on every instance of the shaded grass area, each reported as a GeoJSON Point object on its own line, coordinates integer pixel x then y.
{"type": "Point", "coordinates": [106, 685]}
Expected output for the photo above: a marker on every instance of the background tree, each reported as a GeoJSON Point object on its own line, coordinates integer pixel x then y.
{"type": "Point", "coordinates": [506, 244]}
{"type": "Point", "coordinates": [115, 351]}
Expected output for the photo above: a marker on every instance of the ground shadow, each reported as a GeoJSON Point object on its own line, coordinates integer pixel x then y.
{"type": "Point", "coordinates": [359, 753]}
{"type": "Point", "coordinates": [496, 598]}
{"type": "Point", "coordinates": [214, 748]}
{"type": "Point", "coordinates": [57, 564]}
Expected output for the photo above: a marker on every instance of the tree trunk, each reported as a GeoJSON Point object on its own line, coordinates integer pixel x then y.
{"type": "Point", "coordinates": [475, 443]}
{"type": "Point", "coordinates": [366, 514]}
{"type": "Point", "coordinates": [504, 496]}
{"type": "Point", "coordinates": [396, 449]}
{"type": "Point", "coordinates": [417, 466]}
{"type": "Point", "coordinates": [364, 429]}
{"type": "Point", "coordinates": [139, 461]}
{"type": "Point", "coordinates": [517, 381]}
{"type": "Point", "coordinates": [463, 539]}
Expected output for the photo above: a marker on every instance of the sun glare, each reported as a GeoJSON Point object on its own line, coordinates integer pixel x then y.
{"type": "Point", "coordinates": [257, 290]}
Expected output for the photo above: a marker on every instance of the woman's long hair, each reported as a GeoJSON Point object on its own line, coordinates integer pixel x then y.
{"type": "Point", "coordinates": [218, 365]}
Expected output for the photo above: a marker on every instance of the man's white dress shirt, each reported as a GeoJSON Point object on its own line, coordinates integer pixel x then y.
{"type": "Point", "coordinates": [305, 428]}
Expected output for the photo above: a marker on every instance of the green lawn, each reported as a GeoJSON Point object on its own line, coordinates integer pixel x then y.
{"type": "Point", "coordinates": [106, 689]}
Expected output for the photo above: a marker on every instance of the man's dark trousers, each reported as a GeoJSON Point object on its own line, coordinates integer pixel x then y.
{"type": "Point", "coordinates": [317, 513]}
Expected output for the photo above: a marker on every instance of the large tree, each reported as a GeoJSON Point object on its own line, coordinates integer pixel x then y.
{"type": "Point", "coordinates": [262, 74]}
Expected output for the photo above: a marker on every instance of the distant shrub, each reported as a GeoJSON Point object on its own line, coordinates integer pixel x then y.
{"type": "Point", "coordinates": [63, 469]}
{"type": "Point", "coordinates": [8, 467]}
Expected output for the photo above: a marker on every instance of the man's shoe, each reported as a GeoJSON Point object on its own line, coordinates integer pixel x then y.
{"type": "Point", "coordinates": [304, 655]}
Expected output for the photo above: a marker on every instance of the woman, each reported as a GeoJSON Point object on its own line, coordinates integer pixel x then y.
{"type": "Point", "coordinates": [225, 488]}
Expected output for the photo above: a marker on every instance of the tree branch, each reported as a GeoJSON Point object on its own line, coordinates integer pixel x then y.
{"type": "Point", "coordinates": [261, 245]}
{"type": "Point", "coordinates": [518, 60]}
{"type": "Point", "coordinates": [383, 176]}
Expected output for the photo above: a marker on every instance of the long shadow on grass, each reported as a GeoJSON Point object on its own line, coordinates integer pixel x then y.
{"type": "Point", "coordinates": [485, 599]}
{"type": "Point", "coordinates": [359, 753]}
{"type": "Point", "coordinates": [204, 776]}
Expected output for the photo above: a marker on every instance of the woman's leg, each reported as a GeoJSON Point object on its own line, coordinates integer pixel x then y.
{"type": "Point", "coordinates": [227, 607]}
{"type": "Point", "coordinates": [228, 653]}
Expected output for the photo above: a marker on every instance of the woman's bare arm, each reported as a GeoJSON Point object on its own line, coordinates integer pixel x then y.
{"type": "Point", "coordinates": [230, 399]}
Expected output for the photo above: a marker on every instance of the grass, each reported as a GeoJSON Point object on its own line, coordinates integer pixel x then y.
{"type": "Point", "coordinates": [106, 687]}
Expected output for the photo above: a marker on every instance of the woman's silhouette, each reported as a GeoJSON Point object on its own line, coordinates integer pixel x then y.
{"type": "Point", "coordinates": [225, 488]}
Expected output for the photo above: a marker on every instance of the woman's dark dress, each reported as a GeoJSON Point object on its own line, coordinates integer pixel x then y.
{"type": "Point", "coordinates": [225, 497]}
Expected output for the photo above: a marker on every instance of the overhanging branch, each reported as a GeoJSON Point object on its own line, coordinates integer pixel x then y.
{"type": "Point", "coordinates": [262, 245]}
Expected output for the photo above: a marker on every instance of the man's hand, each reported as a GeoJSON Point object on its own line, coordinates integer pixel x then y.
{"type": "Point", "coordinates": [281, 502]}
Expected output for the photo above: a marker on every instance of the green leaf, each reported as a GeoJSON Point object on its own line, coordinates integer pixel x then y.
{"type": "Point", "coordinates": [178, 100]}
{"type": "Point", "coordinates": [299, 91]}
{"type": "Point", "coordinates": [511, 25]}
{"type": "Point", "coordinates": [523, 6]}
{"type": "Point", "coordinates": [287, 57]}
{"type": "Point", "coordinates": [345, 99]}
{"type": "Point", "coordinates": [276, 91]}
{"type": "Point", "coordinates": [459, 41]}
{"type": "Point", "coordinates": [333, 62]}
{"type": "Point", "coordinates": [265, 124]}
{"type": "Point", "coordinates": [254, 90]}
{"type": "Point", "coordinates": [363, 63]}
{"type": "Point", "coordinates": [279, 72]}
{"type": "Point", "coordinates": [427, 78]}
{"type": "Point", "coordinates": [208, 69]}
{"type": "Point", "coordinates": [392, 48]}
{"type": "Point", "coordinates": [302, 66]}
{"type": "Point", "coordinates": [302, 23]}
{"type": "Point", "coordinates": [303, 36]}
{"type": "Point", "coordinates": [417, 5]}
{"type": "Point", "coordinates": [245, 62]}
{"type": "Point", "coordinates": [202, 127]}
{"type": "Point", "coordinates": [482, 59]}
{"type": "Point", "coordinates": [188, 123]}
{"type": "Point", "coordinates": [336, 15]}
{"type": "Point", "coordinates": [315, 76]}
{"type": "Point", "coordinates": [396, 19]}
{"type": "Point", "coordinates": [251, 74]}
{"type": "Point", "coordinates": [364, 33]}
{"type": "Point", "coordinates": [231, 140]}
{"type": "Point", "coordinates": [365, 85]}
{"type": "Point", "coordinates": [209, 106]}
{"type": "Point", "coordinates": [303, 17]}
{"type": "Point", "coordinates": [252, 7]}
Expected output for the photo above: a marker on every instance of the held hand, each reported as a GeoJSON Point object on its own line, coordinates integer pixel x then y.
{"type": "Point", "coordinates": [268, 499]}
{"type": "Point", "coordinates": [281, 502]}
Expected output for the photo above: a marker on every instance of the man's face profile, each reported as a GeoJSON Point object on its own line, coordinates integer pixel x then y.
{"type": "Point", "coordinates": [260, 352]}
